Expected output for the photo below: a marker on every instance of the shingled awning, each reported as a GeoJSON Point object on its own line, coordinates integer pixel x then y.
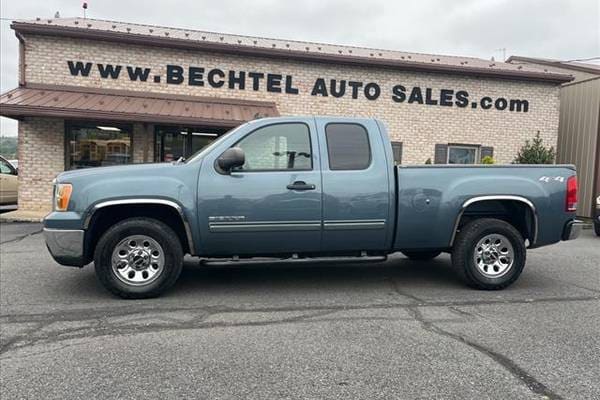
{"type": "Point", "coordinates": [129, 106]}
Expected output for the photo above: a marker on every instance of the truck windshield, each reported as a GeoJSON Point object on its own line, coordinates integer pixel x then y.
{"type": "Point", "coordinates": [200, 153]}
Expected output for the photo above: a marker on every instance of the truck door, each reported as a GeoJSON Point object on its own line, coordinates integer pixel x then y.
{"type": "Point", "coordinates": [356, 186]}
{"type": "Point", "coordinates": [270, 205]}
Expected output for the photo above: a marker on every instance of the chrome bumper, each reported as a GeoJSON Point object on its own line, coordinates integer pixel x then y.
{"type": "Point", "coordinates": [65, 246]}
{"type": "Point", "coordinates": [572, 230]}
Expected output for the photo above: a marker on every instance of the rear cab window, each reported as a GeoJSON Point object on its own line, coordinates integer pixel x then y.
{"type": "Point", "coordinates": [348, 146]}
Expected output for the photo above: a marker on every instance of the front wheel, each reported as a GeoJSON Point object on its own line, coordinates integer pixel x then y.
{"type": "Point", "coordinates": [138, 258]}
{"type": "Point", "coordinates": [489, 254]}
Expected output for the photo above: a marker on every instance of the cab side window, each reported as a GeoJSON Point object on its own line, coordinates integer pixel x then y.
{"type": "Point", "coordinates": [347, 146]}
{"type": "Point", "coordinates": [278, 147]}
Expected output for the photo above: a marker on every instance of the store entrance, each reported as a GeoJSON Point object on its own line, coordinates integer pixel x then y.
{"type": "Point", "coordinates": [174, 142]}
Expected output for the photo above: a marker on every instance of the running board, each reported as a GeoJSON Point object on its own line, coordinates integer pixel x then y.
{"type": "Point", "coordinates": [229, 262]}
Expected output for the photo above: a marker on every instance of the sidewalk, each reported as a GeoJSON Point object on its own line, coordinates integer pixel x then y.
{"type": "Point", "coordinates": [23, 216]}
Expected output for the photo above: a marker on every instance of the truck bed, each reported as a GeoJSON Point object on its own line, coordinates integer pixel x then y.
{"type": "Point", "coordinates": [432, 198]}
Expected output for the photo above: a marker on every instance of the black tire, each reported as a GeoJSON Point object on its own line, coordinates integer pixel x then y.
{"type": "Point", "coordinates": [597, 228]}
{"type": "Point", "coordinates": [421, 255]}
{"type": "Point", "coordinates": [465, 246]}
{"type": "Point", "coordinates": [156, 230]}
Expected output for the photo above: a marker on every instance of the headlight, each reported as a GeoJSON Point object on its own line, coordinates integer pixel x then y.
{"type": "Point", "coordinates": [62, 195]}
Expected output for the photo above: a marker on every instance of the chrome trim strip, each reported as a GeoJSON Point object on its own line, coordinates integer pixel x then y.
{"type": "Point", "coordinates": [476, 199]}
{"type": "Point", "coordinates": [334, 225]}
{"type": "Point", "coordinates": [264, 226]}
{"type": "Point", "coordinates": [170, 203]}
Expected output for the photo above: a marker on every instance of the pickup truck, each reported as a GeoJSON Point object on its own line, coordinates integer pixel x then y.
{"type": "Point", "coordinates": [305, 189]}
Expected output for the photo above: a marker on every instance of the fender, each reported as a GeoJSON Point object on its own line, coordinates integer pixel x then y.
{"type": "Point", "coordinates": [477, 199]}
{"type": "Point", "coordinates": [169, 203]}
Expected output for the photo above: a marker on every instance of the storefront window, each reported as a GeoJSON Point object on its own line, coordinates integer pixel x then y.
{"type": "Point", "coordinates": [174, 142]}
{"type": "Point", "coordinates": [462, 154]}
{"type": "Point", "coordinates": [98, 145]}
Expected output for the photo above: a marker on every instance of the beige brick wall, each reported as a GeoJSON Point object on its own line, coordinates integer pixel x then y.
{"type": "Point", "coordinates": [420, 127]}
{"type": "Point", "coordinates": [41, 158]}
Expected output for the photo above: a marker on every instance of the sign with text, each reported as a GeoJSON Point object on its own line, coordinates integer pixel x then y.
{"type": "Point", "coordinates": [279, 83]}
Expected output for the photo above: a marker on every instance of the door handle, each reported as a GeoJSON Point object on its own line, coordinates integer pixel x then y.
{"type": "Point", "coordinates": [301, 185]}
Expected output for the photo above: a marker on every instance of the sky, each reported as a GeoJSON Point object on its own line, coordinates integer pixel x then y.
{"type": "Point", "coordinates": [561, 29]}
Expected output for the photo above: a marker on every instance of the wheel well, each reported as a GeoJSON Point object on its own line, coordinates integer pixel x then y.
{"type": "Point", "coordinates": [517, 213]}
{"type": "Point", "coordinates": [106, 217]}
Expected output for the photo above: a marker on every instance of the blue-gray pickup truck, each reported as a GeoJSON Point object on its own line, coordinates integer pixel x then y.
{"type": "Point", "coordinates": [305, 189]}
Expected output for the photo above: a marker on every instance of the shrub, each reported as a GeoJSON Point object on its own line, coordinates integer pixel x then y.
{"type": "Point", "coordinates": [535, 152]}
{"type": "Point", "coordinates": [488, 160]}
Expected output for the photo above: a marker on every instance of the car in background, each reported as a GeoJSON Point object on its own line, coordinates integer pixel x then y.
{"type": "Point", "coordinates": [8, 182]}
{"type": "Point", "coordinates": [597, 217]}
{"type": "Point", "coordinates": [15, 163]}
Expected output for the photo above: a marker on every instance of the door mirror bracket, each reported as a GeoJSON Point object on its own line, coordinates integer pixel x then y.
{"type": "Point", "coordinates": [231, 158]}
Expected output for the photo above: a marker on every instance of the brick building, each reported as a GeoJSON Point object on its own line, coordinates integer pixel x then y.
{"type": "Point", "coordinates": [94, 93]}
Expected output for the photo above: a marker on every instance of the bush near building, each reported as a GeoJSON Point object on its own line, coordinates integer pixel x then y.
{"type": "Point", "coordinates": [534, 152]}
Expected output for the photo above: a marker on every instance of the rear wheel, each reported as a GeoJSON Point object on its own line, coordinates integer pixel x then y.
{"type": "Point", "coordinates": [138, 258]}
{"type": "Point", "coordinates": [422, 255]}
{"type": "Point", "coordinates": [489, 254]}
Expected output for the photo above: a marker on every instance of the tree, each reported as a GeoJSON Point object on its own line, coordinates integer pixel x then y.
{"type": "Point", "coordinates": [534, 152]}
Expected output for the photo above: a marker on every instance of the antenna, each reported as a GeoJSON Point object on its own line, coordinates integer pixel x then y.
{"type": "Point", "coordinates": [84, 6]}
{"type": "Point", "coordinates": [503, 50]}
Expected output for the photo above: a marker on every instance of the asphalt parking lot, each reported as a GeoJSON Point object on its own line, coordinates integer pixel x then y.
{"type": "Point", "coordinates": [399, 329]}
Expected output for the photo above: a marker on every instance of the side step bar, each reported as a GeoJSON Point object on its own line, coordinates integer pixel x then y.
{"type": "Point", "coordinates": [229, 262]}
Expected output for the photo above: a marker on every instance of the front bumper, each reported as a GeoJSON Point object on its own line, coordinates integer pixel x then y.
{"type": "Point", "coordinates": [66, 246]}
{"type": "Point", "coordinates": [572, 229]}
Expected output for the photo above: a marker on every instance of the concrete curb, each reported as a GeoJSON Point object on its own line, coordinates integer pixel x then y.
{"type": "Point", "coordinates": [23, 216]}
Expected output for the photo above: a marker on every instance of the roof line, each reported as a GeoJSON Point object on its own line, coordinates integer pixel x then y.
{"type": "Point", "coordinates": [150, 95]}
{"type": "Point", "coordinates": [557, 63]}
{"type": "Point", "coordinates": [171, 42]}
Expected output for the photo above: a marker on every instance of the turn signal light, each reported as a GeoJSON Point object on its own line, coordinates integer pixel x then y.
{"type": "Point", "coordinates": [62, 196]}
{"type": "Point", "coordinates": [571, 197]}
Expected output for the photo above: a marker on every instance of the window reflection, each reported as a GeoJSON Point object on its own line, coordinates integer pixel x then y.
{"type": "Point", "coordinates": [92, 145]}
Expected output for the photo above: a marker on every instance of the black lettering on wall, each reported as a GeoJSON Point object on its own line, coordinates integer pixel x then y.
{"type": "Point", "coordinates": [216, 73]}
{"type": "Point", "coordinates": [446, 97]}
{"type": "Point", "coordinates": [335, 92]}
{"type": "Point", "coordinates": [372, 91]}
{"type": "Point", "coordinates": [519, 105]}
{"type": "Point", "coordinates": [319, 88]}
{"type": "Point", "coordinates": [256, 77]}
{"type": "Point", "coordinates": [109, 70]}
{"type": "Point", "coordinates": [196, 76]}
{"type": "Point", "coordinates": [138, 73]}
{"type": "Point", "coordinates": [429, 98]}
{"type": "Point", "coordinates": [174, 74]}
{"type": "Point", "coordinates": [398, 93]}
{"type": "Point", "coordinates": [79, 68]}
{"type": "Point", "coordinates": [289, 86]}
{"type": "Point", "coordinates": [416, 95]}
{"type": "Point", "coordinates": [355, 86]}
{"type": "Point", "coordinates": [274, 83]}
{"type": "Point", "coordinates": [501, 103]}
{"type": "Point", "coordinates": [486, 103]}
{"type": "Point", "coordinates": [462, 98]}
{"type": "Point", "coordinates": [240, 80]}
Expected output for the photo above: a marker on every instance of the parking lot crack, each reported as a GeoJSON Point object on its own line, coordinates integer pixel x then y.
{"type": "Point", "coordinates": [19, 238]}
{"type": "Point", "coordinates": [509, 365]}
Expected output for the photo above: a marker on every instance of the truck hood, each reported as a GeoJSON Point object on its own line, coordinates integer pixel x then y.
{"type": "Point", "coordinates": [120, 171]}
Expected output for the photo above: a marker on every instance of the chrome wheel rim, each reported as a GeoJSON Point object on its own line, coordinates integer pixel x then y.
{"type": "Point", "coordinates": [138, 260]}
{"type": "Point", "coordinates": [494, 255]}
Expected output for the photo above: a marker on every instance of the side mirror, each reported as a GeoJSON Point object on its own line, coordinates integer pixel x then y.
{"type": "Point", "coordinates": [231, 158]}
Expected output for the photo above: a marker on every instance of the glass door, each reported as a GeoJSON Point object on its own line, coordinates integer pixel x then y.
{"type": "Point", "coordinates": [174, 142]}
